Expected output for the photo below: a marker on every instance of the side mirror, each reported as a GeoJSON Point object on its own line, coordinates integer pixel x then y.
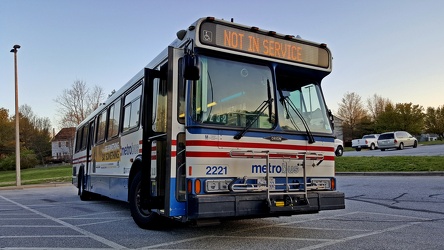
{"type": "Point", "coordinates": [190, 69]}
{"type": "Point", "coordinates": [331, 118]}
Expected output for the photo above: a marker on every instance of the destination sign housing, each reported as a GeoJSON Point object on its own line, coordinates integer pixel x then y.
{"type": "Point", "coordinates": [255, 43]}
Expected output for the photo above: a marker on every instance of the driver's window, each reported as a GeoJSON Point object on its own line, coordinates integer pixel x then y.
{"type": "Point", "coordinates": [231, 93]}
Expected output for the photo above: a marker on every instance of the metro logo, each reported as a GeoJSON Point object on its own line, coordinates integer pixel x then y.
{"type": "Point", "coordinates": [274, 169]}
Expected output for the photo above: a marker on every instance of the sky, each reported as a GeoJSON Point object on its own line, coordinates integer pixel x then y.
{"type": "Point", "coordinates": [390, 48]}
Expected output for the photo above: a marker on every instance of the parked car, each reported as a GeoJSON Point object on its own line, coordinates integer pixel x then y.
{"type": "Point", "coordinates": [397, 139]}
{"type": "Point", "coordinates": [367, 141]}
{"type": "Point", "coordinates": [339, 147]}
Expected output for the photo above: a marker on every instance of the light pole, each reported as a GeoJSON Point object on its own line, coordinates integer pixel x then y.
{"type": "Point", "coordinates": [17, 118]}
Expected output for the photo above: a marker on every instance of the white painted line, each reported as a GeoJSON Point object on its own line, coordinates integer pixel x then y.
{"type": "Point", "coordinates": [84, 232]}
{"type": "Point", "coordinates": [336, 241]}
{"type": "Point", "coordinates": [175, 242]}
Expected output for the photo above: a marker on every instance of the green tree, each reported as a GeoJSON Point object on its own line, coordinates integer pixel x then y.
{"type": "Point", "coordinates": [434, 121]}
{"type": "Point", "coordinates": [402, 116]}
{"type": "Point", "coordinates": [387, 120]}
{"type": "Point", "coordinates": [411, 117]}
{"type": "Point", "coordinates": [7, 134]}
{"type": "Point", "coordinates": [34, 133]}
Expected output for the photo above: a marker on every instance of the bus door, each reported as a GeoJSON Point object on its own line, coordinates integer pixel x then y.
{"type": "Point", "coordinates": [159, 185]}
{"type": "Point", "coordinates": [90, 160]}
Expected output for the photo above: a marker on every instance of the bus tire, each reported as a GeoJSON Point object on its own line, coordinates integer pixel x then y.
{"type": "Point", "coordinates": [145, 219]}
{"type": "Point", "coordinates": [83, 194]}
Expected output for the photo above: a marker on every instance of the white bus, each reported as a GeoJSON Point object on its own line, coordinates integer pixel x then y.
{"type": "Point", "coordinates": [228, 122]}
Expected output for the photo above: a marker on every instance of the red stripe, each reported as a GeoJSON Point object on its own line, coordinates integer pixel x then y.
{"type": "Point", "coordinates": [258, 145]}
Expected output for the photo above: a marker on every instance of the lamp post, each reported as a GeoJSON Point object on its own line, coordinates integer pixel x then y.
{"type": "Point", "coordinates": [17, 118]}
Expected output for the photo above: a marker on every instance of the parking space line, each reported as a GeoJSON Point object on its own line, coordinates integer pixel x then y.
{"type": "Point", "coordinates": [80, 230]}
{"type": "Point", "coordinates": [336, 241]}
{"type": "Point", "coordinates": [175, 242]}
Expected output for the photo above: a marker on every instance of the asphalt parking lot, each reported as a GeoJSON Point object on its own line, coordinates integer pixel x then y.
{"type": "Point", "coordinates": [381, 213]}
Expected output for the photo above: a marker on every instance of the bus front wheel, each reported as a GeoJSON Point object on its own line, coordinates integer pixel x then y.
{"type": "Point", "coordinates": [84, 195]}
{"type": "Point", "coordinates": [144, 218]}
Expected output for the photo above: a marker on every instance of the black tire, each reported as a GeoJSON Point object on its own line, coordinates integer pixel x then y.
{"type": "Point", "coordinates": [83, 194]}
{"type": "Point", "coordinates": [145, 219]}
{"type": "Point", "coordinates": [415, 144]}
{"type": "Point", "coordinates": [372, 146]}
{"type": "Point", "coordinates": [339, 151]}
{"type": "Point", "coordinates": [401, 146]}
{"type": "Point", "coordinates": [382, 149]}
{"type": "Point", "coordinates": [358, 149]}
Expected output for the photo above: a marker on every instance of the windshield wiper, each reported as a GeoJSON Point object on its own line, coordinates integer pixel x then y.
{"type": "Point", "coordinates": [286, 100]}
{"type": "Point", "coordinates": [259, 111]}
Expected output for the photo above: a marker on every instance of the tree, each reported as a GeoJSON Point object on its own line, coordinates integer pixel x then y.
{"type": "Point", "coordinates": [7, 134]}
{"type": "Point", "coordinates": [411, 117]}
{"type": "Point", "coordinates": [76, 103]}
{"type": "Point", "coordinates": [434, 121]}
{"type": "Point", "coordinates": [35, 133]}
{"type": "Point", "coordinates": [376, 106]}
{"type": "Point", "coordinates": [352, 112]}
{"type": "Point", "coordinates": [402, 116]}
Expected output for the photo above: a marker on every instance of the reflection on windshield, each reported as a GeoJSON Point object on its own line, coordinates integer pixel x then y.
{"type": "Point", "coordinates": [229, 94]}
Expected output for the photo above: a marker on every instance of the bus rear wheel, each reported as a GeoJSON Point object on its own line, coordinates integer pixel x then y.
{"type": "Point", "coordinates": [144, 218]}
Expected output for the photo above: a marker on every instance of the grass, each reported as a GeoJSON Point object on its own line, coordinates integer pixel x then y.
{"type": "Point", "coordinates": [390, 164]}
{"type": "Point", "coordinates": [37, 175]}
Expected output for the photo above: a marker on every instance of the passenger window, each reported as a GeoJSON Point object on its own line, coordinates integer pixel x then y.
{"type": "Point", "coordinates": [101, 122]}
{"type": "Point", "coordinates": [131, 110]}
{"type": "Point", "coordinates": [114, 119]}
{"type": "Point", "coordinates": [84, 137]}
{"type": "Point", "coordinates": [78, 139]}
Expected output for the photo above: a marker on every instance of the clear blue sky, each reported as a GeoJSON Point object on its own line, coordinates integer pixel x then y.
{"type": "Point", "coordinates": [391, 48]}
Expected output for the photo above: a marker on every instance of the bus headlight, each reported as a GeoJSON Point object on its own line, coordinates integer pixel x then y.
{"type": "Point", "coordinates": [321, 184]}
{"type": "Point", "coordinates": [217, 185]}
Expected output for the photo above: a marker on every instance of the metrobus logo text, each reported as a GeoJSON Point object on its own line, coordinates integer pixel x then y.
{"type": "Point", "coordinates": [274, 169]}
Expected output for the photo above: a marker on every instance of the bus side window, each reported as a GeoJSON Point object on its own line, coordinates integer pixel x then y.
{"type": "Point", "coordinates": [114, 119]}
{"type": "Point", "coordinates": [131, 110]}
{"type": "Point", "coordinates": [181, 95]}
{"type": "Point", "coordinates": [160, 102]}
{"type": "Point", "coordinates": [84, 137]}
{"type": "Point", "coordinates": [101, 125]}
{"type": "Point", "coordinates": [78, 139]}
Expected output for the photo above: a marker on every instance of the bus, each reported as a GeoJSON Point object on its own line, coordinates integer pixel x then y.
{"type": "Point", "coordinates": [228, 122]}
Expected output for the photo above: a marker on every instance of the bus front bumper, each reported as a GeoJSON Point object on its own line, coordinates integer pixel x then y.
{"type": "Point", "coordinates": [257, 205]}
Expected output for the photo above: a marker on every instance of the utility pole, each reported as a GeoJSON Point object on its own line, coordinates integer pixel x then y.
{"type": "Point", "coordinates": [17, 118]}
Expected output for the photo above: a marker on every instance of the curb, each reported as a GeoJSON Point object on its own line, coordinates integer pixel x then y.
{"type": "Point", "coordinates": [419, 173]}
{"type": "Point", "coordinates": [55, 184]}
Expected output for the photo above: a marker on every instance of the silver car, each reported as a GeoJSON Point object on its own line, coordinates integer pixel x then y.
{"type": "Point", "coordinates": [398, 140]}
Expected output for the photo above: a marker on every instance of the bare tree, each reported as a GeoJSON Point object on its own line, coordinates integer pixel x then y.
{"type": "Point", "coordinates": [376, 105]}
{"type": "Point", "coordinates": [76, 103]}
{"type": "Point", "coordinates": [352, 112]}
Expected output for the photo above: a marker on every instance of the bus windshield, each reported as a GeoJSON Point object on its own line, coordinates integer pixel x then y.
{"type": "Point", "coordinates": [302, 104]}
{"type": "Point", "coordinates": [229, 94]}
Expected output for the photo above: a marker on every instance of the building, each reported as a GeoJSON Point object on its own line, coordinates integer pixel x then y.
{"type": "Point", "coordinates": [338, 130]}
{"type": "Point", "coordinates": [62, 144]}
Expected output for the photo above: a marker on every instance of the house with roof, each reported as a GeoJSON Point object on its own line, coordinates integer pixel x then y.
{"type": "Point", "coordinates": [62, 144]}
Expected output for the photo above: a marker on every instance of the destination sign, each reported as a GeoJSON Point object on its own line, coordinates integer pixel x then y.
{"type": "Point", "coordinates": [259, 44]}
